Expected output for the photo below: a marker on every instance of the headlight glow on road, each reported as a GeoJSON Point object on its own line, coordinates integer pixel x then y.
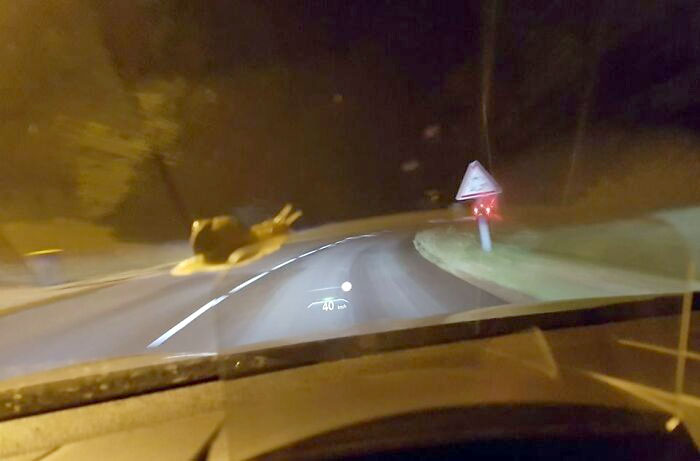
{"type": "Point", "coordinates": [345, 286]}
{"type": "Point", "coordinates": [190, 318]}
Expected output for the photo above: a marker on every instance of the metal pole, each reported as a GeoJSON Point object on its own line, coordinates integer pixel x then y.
{"type": "Point", "coordinates": [484, 233]}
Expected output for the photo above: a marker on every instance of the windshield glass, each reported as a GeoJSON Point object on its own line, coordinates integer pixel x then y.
{"type": "Point", "coordinates": [192, 178]}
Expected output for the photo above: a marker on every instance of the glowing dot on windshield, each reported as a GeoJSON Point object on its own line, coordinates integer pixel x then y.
{"type": "Point", "coordinates": [346, 286]}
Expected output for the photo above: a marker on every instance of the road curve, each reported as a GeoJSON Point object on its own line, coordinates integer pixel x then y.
{"type": "Point", "coordinates": [278, 298]}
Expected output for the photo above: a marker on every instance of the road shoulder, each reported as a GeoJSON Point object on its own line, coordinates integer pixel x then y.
{"type": "Point", "coordinates": [521, 275]}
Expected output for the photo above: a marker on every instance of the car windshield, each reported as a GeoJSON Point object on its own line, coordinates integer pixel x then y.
{"type": "Point", "coordinates": [186, 178]}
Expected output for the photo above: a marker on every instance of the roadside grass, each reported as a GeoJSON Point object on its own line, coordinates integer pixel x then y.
{"type": "Point", "coordinates": [633, 256]}
{"type": "Point", "coordinates": [661, 243]}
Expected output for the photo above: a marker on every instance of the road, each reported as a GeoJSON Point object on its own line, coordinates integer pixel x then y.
{"type": "Point", "coordinates": [278, 298]}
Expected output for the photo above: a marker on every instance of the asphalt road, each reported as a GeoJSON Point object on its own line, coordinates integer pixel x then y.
{"type": "Point", "coordinates": [278, 298]}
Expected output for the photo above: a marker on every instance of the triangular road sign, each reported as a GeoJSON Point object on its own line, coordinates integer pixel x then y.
{"type": "Point", "coordinates": [477, 182]}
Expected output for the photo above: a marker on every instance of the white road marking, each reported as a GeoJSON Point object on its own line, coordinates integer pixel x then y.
{"type": "Point", "coordinates": [186, 321]}
{"type": "Point", "coordinates": [193, 316]}
{"type": "Point", "coordinates": [248, 282]}
{"type": "Point", "coordinates": [190, 318]}
{"type": "Point", "coordinates": [289, 261]}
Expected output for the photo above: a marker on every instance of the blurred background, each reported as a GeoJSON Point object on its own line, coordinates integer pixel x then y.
{"type": "Point", "coordinates": [121, 122]}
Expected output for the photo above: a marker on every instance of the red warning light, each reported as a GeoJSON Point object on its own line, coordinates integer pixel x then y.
{"type": "Point", "coordinates": [485, 206]}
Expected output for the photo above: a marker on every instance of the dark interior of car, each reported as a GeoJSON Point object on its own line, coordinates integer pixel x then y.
{"type": "Point", "coordinates": [509, 432]}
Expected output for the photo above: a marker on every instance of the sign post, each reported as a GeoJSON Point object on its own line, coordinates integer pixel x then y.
{"type": "Point", "coordinates": [484, 233]}
{"type": "Point", "coordinates": [478, 184]}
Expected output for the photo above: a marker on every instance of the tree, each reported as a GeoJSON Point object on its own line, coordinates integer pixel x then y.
{"type": "Point", "coordinates": [107, 160]}
{"type": "Point", "coordinates": [69, 121]}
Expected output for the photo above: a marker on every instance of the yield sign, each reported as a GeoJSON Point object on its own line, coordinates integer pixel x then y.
{"type": "Point", "coordinates": [477, 182]}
